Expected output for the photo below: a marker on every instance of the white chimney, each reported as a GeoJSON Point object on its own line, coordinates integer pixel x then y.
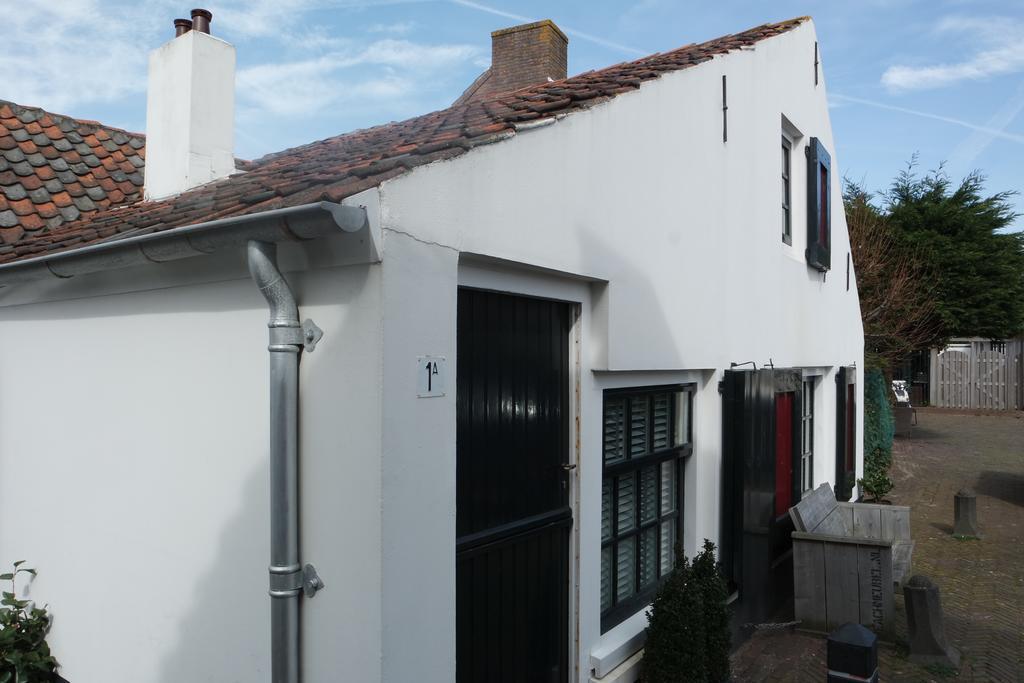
{"type": "Point", "coordinates": [190, 110]}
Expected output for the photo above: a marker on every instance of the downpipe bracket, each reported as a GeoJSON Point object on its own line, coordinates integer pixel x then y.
{"type": "Point", "coordinates": [306, 336]}
{"type": "Point", "coordinates": [311, 336]}
{"type": "Point", "coordinates": [311, 581]}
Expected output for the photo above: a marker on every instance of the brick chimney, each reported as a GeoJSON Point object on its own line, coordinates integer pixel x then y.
{"type": "Point", "coordinates": [521, 56]}
{"type": "Point", "coordinates": [190, 110]}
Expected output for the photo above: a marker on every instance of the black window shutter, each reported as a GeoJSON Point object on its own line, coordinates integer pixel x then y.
{"type": "Point", "coordinates": [819, 210]}
{"type": "Point", "coordinates": [846, 432]}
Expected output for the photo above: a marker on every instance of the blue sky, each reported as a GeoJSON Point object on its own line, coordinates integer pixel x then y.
{"type": "Point", "coordinates": [940, 78]}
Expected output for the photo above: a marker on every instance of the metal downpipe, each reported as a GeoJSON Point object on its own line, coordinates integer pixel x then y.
{"type": "Point", "coordinates": [286, 337]}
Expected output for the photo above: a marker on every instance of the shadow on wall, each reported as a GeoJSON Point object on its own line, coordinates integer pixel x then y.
{"type": "Point", "coordinates": [225, 635]}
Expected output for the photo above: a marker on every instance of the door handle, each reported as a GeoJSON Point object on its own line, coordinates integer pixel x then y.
{"type": "Point", "coordinates": [569, 467]}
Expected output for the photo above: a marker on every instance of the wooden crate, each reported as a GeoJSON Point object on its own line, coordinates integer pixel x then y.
{"type": "Point", "coordinates": [849, 559]}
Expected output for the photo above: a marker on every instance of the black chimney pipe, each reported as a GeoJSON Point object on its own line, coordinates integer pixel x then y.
{"type": "Point", "coordinates": [182, 26]}
{"type": "Point", "coordinates": [201, 20]}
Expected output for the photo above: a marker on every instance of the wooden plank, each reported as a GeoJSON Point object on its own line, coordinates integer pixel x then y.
{"type": "Point", "coordinates": [846, 510]}
{"type": "Point", "coordinates": [815, 507]}
{"type": "Point", "coordinates": [867, 522]}
{"type": "Point", "coordinates": [875, 599]}
{"type": "Point", "coordinates": [898, 519]}
{"type": "Point", "coordinates": [809, 584]}
{"type": "Point", "coordinates": [842, 592]}
{"type": "Point", "coordinates": [902, 561]}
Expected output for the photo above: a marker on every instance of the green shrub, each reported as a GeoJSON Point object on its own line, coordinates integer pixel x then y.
{"type": "Point", "coordinates": [879, 429]}
{"type": "Point", "coordinates": [24, 655]}
{"type": "Point", "coordinates": [714, 594]}
{"type": "Point", "coordinates": [688, 626]}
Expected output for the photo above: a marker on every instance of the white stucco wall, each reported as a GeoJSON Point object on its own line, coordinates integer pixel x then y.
{"type": "Point", "coordinates": [134, 470]}
{"type": "Point", "coordinates": [669, 240]}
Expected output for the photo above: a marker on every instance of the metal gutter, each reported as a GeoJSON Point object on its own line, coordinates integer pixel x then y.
{"type": "Point", "coordinates": [297, 223]}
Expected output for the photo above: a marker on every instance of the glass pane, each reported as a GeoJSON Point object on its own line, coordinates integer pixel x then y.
{"type": "Point", "coordinates": [614, 430]}
{"type": "Point", "coordinates": [627, 503]}
{"type": "Point", "coordinates": [668, 486]}
{"type": "Point", "coordinates": [606, 578]}
{"type": "Point", "coordinates": [681, 428]}
{"type": "Point", "coordinates": [606, 510]}
{"type": "Point", "coordinates": [648, 494]}
{"type": "Point", "coordinates": [625, 570]}
{"type": "Point", "coordinates": [649, 558]}
{"type": "Point", "coordinates": [662, 415]}
{"type": "Point", "coordinates": [668, 545]}
{"type": "Point", "coordinates": [638, 410]}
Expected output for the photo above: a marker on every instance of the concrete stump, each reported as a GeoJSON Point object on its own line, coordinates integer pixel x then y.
{"type": "Point", "coordinates": [965, 514]}
{"type": "Point", "coordinates": [852, 654]}
{"type": "Point", "coordinates": [925, 626]}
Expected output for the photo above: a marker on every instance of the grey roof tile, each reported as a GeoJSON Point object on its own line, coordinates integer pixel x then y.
{"type": "Point", "coordinates": [84, 203]}
{"type": "Point", "coordinates": [91, 161]}
{"type": "Point", "coordinates": [96, 192]}
{"type": "Point", "coordinates": [14, 192]}
{"type": "Point", "coordinates": [70, 213]}
{"type": "Point", "coordinates": [65, 175]}
{"type": "Point", "coordinates": [136, 143]}
{"type": "Point", "coordinates": [53, 185]}
{"type": "Point", "coordinates": [20, 134]}
{"type": "Point", "coordinates": [42, 140]}
{"type": "Point", "coordinates": [61, 144]}
{"type": "Point", "coordinates": [59, 165]}
{"type": "Point", "coordinates": [8, 219]}
{"type": "Point", "coordinates": [36, 159]}
{"type": "Point", "coordinates": [39, 195]}
{"type": "Point", "coordinates": [23, 168]}
{"type": "Point", "coordinates": [14, 155]}
{"type": "Point", "coordinates": [80, 168]}
{"type": "Point", "coordinates": [27, 115]}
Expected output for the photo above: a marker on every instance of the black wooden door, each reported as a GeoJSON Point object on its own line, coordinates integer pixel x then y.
{"type": "Point", "coordinates": [513, 515]}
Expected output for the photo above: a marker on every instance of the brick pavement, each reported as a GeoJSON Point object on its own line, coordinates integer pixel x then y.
{"type": "Point", "coordinates": [981, 581]}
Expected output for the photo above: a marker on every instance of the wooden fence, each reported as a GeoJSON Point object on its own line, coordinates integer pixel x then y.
{"type": "Point", "coordinates": [978, 373]}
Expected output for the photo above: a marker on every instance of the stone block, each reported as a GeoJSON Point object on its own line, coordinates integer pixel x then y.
{"type": "Point", "coordinates": [965, 514]}
{"type": "Point", "coordinates": [925, 626]}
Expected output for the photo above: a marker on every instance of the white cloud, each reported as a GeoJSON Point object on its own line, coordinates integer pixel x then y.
{"type": "Point", "coordinates": [389, 70]}
{"type": "Point", "coordinates": [998, 50]}
{"type": "Point", "coordinates": [399, 28]}
{"type": "Point", "coordinates": [60, 55]}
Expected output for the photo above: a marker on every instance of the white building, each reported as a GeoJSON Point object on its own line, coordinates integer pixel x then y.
{"type": "Point", "coordinates": [535, 374]}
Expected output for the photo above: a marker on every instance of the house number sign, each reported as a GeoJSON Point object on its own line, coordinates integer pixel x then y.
{"type": "Point", "coordinates": [430, 376]}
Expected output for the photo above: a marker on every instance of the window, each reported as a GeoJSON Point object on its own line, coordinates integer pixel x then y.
{"type": "Point", "coordinates": [647, 434]}
{"type": "Point", "coordinates": [819, 206]}
{"type": "Point", "coordinates": [807, 437]}
{"type": "Point", "coordinates": [787, 221]}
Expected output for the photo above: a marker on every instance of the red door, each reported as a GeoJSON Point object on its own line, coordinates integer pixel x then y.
{"type": "Point", "coordinates": [783, 452]}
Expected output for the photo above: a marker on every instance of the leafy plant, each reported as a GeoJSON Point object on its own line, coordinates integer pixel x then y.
{"type": "Point", "coordinates": [878, 435]}
{"type": "Point", "coordinates": [24, 655]}
{"type": "Point", "coordinates": [688, 626]}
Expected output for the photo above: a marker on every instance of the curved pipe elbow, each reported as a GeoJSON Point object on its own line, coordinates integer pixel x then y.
{"type": "Point", "coordinates": [262, 257]}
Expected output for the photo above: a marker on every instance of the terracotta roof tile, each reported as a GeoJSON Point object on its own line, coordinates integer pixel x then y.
{"type": "Point", "coordinates": [40, 159]}
{"type": "Point", "coordinates": [327, 170]}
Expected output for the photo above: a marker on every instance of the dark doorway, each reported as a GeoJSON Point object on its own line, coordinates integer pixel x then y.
{"type": "Point", "coordinates": [760, 481]}
{"type": "Point", "coordinates": [513, 514]}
